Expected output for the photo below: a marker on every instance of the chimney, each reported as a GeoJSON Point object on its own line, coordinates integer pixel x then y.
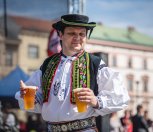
{"type": "Point", "coordinates": [130, 30]}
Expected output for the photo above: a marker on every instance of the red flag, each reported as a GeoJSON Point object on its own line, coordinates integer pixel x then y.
{"type": "Point", "coordinates": [53, 43]}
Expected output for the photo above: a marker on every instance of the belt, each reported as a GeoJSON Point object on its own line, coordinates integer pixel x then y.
{"type": "Point", "coordinates": [72, 126]}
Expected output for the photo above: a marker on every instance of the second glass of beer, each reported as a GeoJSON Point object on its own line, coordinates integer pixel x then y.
{"type": "Point", "coordinates": [81, 106]}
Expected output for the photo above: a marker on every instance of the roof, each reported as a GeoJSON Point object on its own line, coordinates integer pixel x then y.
{"type": "Point", "coordinates": [33, 24]}
{"type": "Point", "coordinates": [12, 28]}
{"type": "Point", "coordinates": [102, 32]}
{"type": "Point", "coordinates": [11, 83]}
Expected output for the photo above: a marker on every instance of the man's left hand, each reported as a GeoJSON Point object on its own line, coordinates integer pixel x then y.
{"type": "Point", "coordinates": [87, 95]}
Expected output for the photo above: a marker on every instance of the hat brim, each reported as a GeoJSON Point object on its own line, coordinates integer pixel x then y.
{"type": "Point", "coordinates": [60, 25]}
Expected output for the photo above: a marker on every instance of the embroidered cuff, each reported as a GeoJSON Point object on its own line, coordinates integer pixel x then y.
{"type": "Point", "coordinates": [100, 104]}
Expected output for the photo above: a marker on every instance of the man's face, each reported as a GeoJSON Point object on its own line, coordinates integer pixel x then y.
{"type": "Point", "coordinates": [142, 111]}
{"type": "Point", "coordinates": [73, 40]}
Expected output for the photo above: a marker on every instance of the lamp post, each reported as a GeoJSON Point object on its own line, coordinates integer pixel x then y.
{"type": "Point", "coordinates": [5, 18]}
{"type": "Point", "coordinates": [3, 45]}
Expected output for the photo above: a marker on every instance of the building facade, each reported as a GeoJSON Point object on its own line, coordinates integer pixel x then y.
{"type": "Point", "coordinates": [135, 66]}
{"type": "Point", "coordinates": [25, 45]}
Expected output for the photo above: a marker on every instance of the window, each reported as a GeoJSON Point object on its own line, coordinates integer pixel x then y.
{"type": "Point", "coordinates": [114, 61]}
{"type": "Point", "coordinates": [145, 64]}
{"type": "Point", "coordinates": [145, 83]}
{"type": "Point", "coordinates": [130, 85]}
{"type": "Point", "coordinates": [9, 58]}
{"type": "Point", "coordinates": [145, 86]}
{"type": "Point", "coordinates": [130, 82]}
{"type": "Point", "coordinates": [33, 51]}
{"type": "Point", "coordinates": [130, 63]}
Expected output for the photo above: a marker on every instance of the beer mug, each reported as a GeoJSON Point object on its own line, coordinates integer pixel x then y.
{"type": "Point", "coordinates": [29, 97]}
{"type": "Point", "coordinates": [81, 106]}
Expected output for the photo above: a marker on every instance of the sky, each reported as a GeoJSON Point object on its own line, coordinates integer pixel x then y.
{"type": "Point", "coordinates": [123, 13]}
{"type": "Point", "coordinates": [113, 13]}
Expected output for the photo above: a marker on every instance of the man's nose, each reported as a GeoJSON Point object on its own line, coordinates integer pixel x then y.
{"type": "Point", "coordinates": [76, 36]}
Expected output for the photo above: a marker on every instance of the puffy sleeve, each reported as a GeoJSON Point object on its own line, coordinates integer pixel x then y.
{"type": "Point", "coordinates": [112, 94]}
{"type": "Point", "coordinates": [34, 80]}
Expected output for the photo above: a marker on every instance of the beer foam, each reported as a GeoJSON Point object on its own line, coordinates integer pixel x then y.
{"type": "Point", "coordinates": [31, 87]}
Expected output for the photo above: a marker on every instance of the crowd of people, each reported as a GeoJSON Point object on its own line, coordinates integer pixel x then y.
{"type": "Point", "coordinates": [138, 122]}
{"type": "Point", "coordinates": [10, 123]}
{"type": "Point", "coordinates": [8, 120]}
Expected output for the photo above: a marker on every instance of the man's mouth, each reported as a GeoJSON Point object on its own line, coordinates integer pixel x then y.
{"type": "Point", "coordinates": [75, 43]}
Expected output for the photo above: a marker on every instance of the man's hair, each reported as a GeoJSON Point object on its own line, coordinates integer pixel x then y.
{"type": "Point", "coordinates": [62, 30]}
{"type": "Point", "coordinates": [139, 107]}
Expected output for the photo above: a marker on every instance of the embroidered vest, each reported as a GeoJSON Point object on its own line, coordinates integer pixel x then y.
{"type": "Point", "coordinates": [84, 71]}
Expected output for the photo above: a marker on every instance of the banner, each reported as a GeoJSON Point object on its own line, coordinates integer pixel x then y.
{"type": "Point", "coordinates": [53, 43]}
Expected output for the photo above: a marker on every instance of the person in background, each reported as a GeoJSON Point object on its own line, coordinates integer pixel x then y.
{"type": "Point", "coordinates": [115, 125]}
{"type": "Point", "coordinates": [32, 123]}
{"type": "Point", "coordinates": [10, 121]}
{"type": "Point", "coordinates": [148, 120]}
{"type": "Point", "coordinates": [126, 122]}
{"type": "Point", "coordinates": [101, 87]}
{"type": "Point", "coordinates": [139, 122]}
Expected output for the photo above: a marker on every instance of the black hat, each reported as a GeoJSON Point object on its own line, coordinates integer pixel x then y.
{"type": "Point", "coordinates": [74, 20]}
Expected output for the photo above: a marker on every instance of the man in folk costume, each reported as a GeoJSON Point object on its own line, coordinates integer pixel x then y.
{"type": "Point", "coordinates": [102, 88]}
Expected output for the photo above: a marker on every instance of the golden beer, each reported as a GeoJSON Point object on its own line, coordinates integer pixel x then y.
{"type": "Point", "coordinates": [81, 106]}
{"type": "Point", "coordinates": [29, 98]}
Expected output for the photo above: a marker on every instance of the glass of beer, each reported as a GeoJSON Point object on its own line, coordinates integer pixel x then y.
{"type": "Point", "coordinates": [29, 98]}
{"type": "Point", "coordinates": [81, 106]}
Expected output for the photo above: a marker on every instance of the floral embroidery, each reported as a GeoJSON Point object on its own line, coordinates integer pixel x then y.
{"type": "Point", "coordinates": [49, 75]}
{"type": "Point", "coordinates": [56, 88]}
{"type": "Point", "coordinates": [80, 73]}
{"type": "Point", "coordinates": [76, 125]}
